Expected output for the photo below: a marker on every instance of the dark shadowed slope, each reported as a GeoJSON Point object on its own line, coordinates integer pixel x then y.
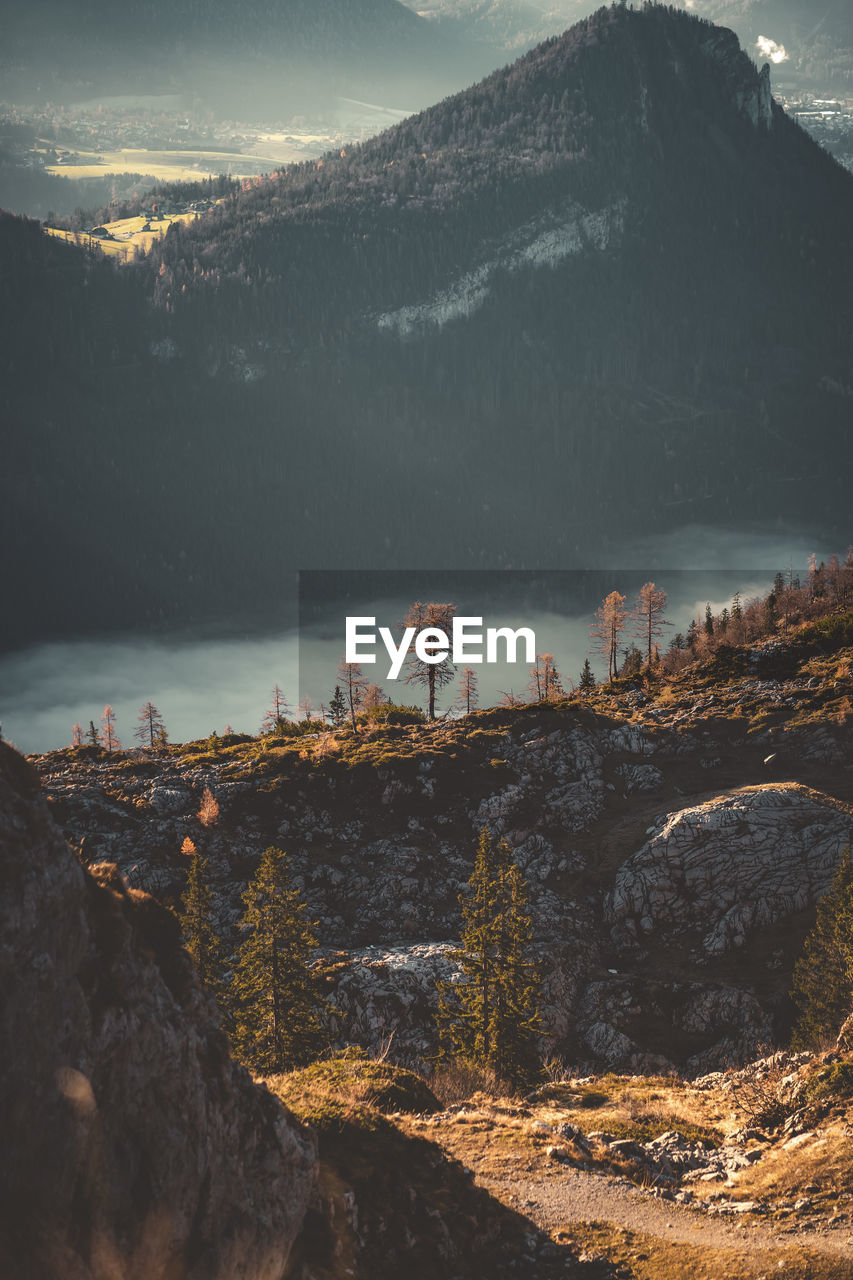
{"type": "Point", "coordinates": [606, 291]}
{"type": "Point", "coordinates": [133, 1145]}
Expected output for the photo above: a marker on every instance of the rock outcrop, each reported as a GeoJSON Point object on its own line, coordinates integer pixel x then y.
{"type": "Point", "coordinates": [750, 90]}
{"type": "Point", "coordinates": [718, 870]}
{"type": "Point", "coordinates": [133, 1146]}
{"type": "Point", "coordinates": [671, 872]}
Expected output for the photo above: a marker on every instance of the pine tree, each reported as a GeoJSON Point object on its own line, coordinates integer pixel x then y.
{"type": "Point", "coordinates": [491, 1017]}
{"type": "Point", "coordinates": [516, 1018]}
{"type": "Point", "coordinates": [823, 976]}
{"type": "Point", "coordinates": [338, 707]}
{"type": "Point", "coordinates": [92, 735]}
{"type": "Point", "coordinates": [200, 936]}
{"type": "Point", "coordinates": [587, 680]}
{"type": "Point", "coordinates": [274, 996]}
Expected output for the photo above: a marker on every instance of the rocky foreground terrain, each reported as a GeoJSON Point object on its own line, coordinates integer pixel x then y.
{"type": "Point", "coordinates": [134, 1147]}
{"type": "Point", "coordinates": [674, 838]}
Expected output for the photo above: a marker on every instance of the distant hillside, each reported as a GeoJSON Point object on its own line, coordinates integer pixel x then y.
{"type": "Point", "coordinates": [606, 291]}
{"type": "Point", "coordinates": [261, 56]}
{"type": "Point", "coordinates": [511, 25]}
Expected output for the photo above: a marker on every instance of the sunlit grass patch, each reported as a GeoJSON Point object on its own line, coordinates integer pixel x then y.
{"type": "Point", "coordinates": [647, 1257]}
{"type": "Point", "coordinates": [349, 1085]}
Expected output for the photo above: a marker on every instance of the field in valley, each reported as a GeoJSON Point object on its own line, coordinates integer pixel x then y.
{"type": "Point", "coordinates": [176, 166]}
{"type": "Point", "coordinates": [128, 234]}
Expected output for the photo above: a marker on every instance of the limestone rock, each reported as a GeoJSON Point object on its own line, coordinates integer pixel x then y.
{"type": "Point", "coordinates": [133, 1146]}
{"type": "Point", "coordinates": [724, 868]}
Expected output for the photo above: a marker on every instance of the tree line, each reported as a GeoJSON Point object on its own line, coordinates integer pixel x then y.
{"type": "Point", "coordinates": [355, 700]}
{"type": "Point", "coordinates": [270, 985]}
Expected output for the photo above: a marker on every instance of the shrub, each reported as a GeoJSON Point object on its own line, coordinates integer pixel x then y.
{"type": "Point", "coordinates": [832, 1081]}
{"type": "Point", "coordinates": [351, 1077]}
{"type": "Point", "coordinates": [392, 713]}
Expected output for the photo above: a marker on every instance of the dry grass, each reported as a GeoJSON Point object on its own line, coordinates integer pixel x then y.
{"type": "Point", "coordinates": [647, 1257]}
{"type": "Point", "coordinates": [455, 1082]}
{"type": "Point", "coordinates": [792, 1170]}
{"type": "Point", "coordinates": [640, 1107]}
{"type": "Point", "coordinates": [351, 1088]}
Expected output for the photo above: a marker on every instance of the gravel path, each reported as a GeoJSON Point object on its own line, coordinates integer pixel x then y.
{"type": "Point", "coordinates": [572, 1195]}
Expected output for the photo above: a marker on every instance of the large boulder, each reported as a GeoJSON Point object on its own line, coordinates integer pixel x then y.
{"type": "Point", "coordinates": [719, 870]}
{"type": "Point", "coordinates": [133, 1146]}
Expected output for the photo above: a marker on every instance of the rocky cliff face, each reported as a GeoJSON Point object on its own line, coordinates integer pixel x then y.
{"type": "Point", "coordinates": [672, 867]}
{"type": "Point", "coordinates": [132, 1145]}
{"type": "Point", "coordinates": [750, 91]}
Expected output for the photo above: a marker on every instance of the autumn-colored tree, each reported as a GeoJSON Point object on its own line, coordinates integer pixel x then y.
{"type": "Point", "coordinates": [208, 813]}
{"type": "Point", "coordinates": [609, 623]}
{"type": "Point", "coordinates": [491, 1016]}
{"type": "Point", "coordinates": [276, 714]}
{"type": "Point", "coordinates": [108, 736]}
{"type": "Point", "coordinates": [509, 698]}
{"type": "Point", "coordinates": [77, 735]}
{"type": "Point", "coordinates": [545, 683]}
{"type": "Point", "coordinates": [150, 729]}
{"type": "Point", "coordinates": [468, 689]}
{"type": "Point", "coordinates": [647, 616]}
{"type": "Point", "coordinates": [274, 994]}
{"type": "Point", "coordinates": [374, 696]}
{"type": "Point", "coordinates": [437, 670]}
{"type": "Point", "coordinates": [353, 683]}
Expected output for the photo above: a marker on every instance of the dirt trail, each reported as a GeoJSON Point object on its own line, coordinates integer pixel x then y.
{"type": "Point", "coordinates": [572, 1195]}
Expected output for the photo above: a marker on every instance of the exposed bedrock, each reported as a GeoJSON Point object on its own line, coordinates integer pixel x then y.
{"type": "Point", "coordinates": [133, 1146]}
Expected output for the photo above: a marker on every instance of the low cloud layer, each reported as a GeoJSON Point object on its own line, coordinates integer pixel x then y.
{"type": "Point", "coordinates": [204, 684]}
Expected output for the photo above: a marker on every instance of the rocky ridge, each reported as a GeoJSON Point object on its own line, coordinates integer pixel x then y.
{"type": "Point", "coordinates": [674, 847]}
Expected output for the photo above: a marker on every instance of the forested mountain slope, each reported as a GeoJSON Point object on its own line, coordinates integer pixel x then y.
{"type": "Point", "coordinates": [605, 291]}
